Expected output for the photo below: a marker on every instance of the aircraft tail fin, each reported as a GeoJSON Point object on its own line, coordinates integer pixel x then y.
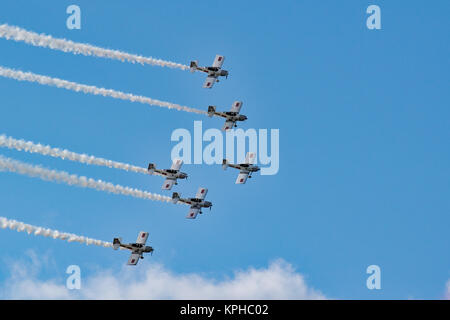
{"type": "Point", "coordinates": [211, 111]}
{"type": "Point", "coordinates": [194, 66]}
{"type": "Point", "coordinates": [116, 243]}
{"type": "Point", "coordinates": [224, 164]}
{"type": "Point", "coordinates": [151, 168]}
{"type": "Point", "coordinates": [175, 197]}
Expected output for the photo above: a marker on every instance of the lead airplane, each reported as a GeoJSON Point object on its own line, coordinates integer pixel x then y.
{"type": "Point", "coordinates": [171, 174]}
{"type": "Point", "coordinates": [246, 168]}
{"type": "Point", "coordinates": [196, 203]}
{"type": "Point", "coordinates": [137, 249]}
{"type": "Point", "coordinates": [231, 117]}
{"type": "Point", "coordinates": [213, 72]}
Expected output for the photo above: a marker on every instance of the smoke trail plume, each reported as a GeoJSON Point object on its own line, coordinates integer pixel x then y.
{"type": "Point", "coordinates": [41, 40]}
{"type": "Point", "coordinates": [55, 234]}
{"type": "Point", "coordinates": [55, 82]}
{"type": "Point", "coordinates": [7, 164]}
{"type": "Point", "coordinates": [31, 147]}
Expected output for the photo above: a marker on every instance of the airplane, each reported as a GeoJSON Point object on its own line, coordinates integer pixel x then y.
{"type": "Point", "coordinates": [137, 249]}
{"type": "Point", "coordinates": [196, 203]}
{"type": "Point", "coordinates": [246, 168]}
{"type": "Point", "coordinates": [231, 117]}
{"type": "Point", "coordinates": [213, 72]}
{"type": "Point", "coordinates": [171, 174]}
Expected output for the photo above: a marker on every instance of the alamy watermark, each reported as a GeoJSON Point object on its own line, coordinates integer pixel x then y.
{"type": "Point", "coordinates": [73, 281]}
{"type": "Point", "coordinates": [212, 146]}
{"type": "Point", "coordinates": [374, 20]}
{"type": "Point", "coordinates": [374, 280]}
{"type": "Point", "coordinates": [74, 20]}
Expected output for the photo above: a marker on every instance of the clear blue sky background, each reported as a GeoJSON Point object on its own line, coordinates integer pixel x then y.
{"type": "Point", "coordinates": [364, 137]}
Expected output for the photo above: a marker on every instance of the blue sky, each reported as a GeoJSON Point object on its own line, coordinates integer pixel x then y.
{"type": "Point", "coordinates": [364, 129]}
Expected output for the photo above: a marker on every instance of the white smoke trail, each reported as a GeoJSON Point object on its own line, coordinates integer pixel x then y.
{"type": "Point", "coordinates": [55, 234]}
{"type": "Point", "coordinates": [41, 40]}
{"type": "Point", "coordinates": [31, 147]}
{"type": "Point", "coordinates": [7, 164]}
{"type": "Point", "coordinates": [55, 82]}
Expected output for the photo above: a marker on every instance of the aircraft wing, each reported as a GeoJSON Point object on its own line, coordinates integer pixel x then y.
{"type": "Point", "coordinates": [209, 82]}
{"type": "Point", "coordinates": [142, 237]}
{"type": "Point", "coordinates": [168, 184]}
{"type": "Point", "coordinates": [236, 107]}
{"type": "Point", "coordinates": [201, 193]}
{"type": "Point", "coordinates": [228, 125]}
{"type": "Point", "coordinates": [133, 260]}
{"type": "Point", "coordinates": [242, 177]}
{"type": "Point", "coordinates": [193, 213]}
{"type": "Point", "coordinates": [250, 158]}
{"type": "Point", "coordinates": [218, 61]}
{"type": "Point", "coordinates": [176, 164]}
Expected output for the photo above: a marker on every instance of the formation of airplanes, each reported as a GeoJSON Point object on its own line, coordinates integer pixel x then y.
{"type": "Point", "coordinates": [172, 175]}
